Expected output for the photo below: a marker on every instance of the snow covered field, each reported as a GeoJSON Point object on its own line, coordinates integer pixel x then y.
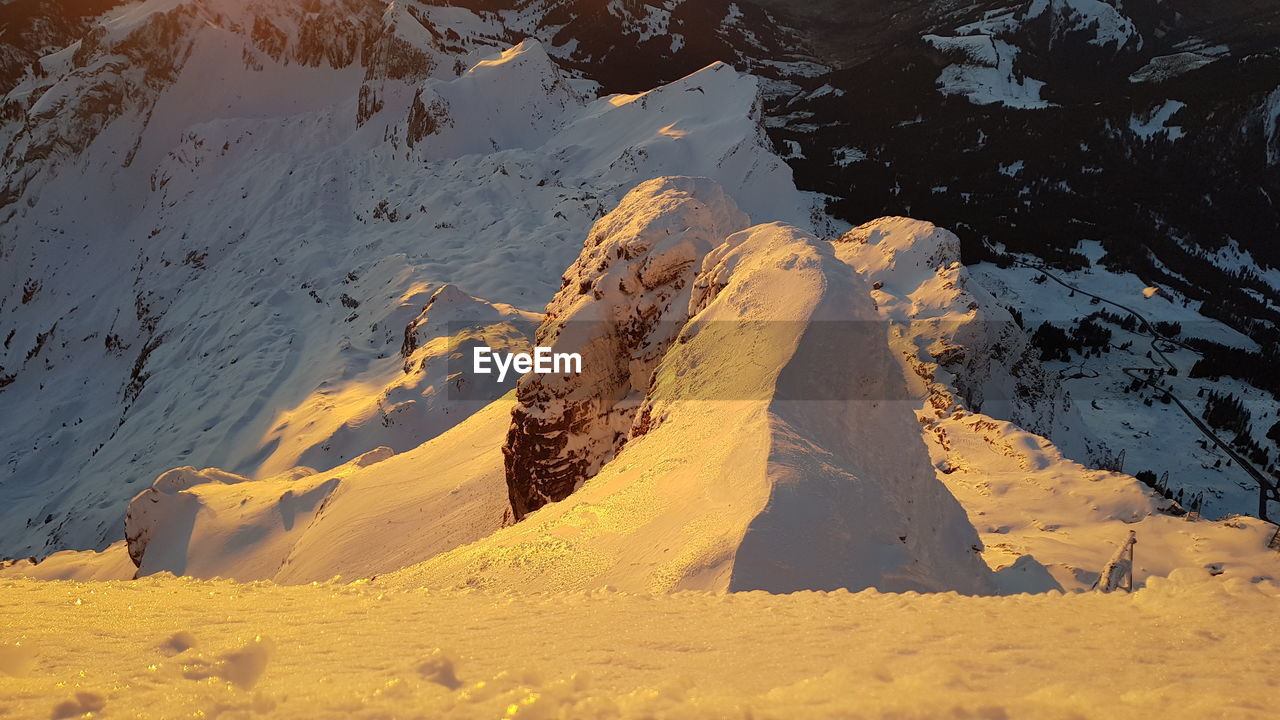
{"type": "Point", "coordinates": [167, 648]}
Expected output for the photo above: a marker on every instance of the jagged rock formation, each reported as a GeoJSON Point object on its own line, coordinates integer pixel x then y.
{"type": "Point", "coordinates": [766, 454]}
{"type": "Point", "coordinates": [964, 348]}
{"type": "Point", "coordinates": [620, 306]}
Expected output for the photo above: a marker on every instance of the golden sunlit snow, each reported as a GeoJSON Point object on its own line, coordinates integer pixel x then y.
{"type": "Point", "coordinates": [163, 647]}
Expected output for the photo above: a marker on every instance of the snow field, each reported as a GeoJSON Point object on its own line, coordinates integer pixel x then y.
{"type": "Point", "coordinates": [165, 647]}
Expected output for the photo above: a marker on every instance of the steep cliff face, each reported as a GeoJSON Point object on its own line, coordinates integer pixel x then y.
{"type": "Point", "coordinates": [620, 306]}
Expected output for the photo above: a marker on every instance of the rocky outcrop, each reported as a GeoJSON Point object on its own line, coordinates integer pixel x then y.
{"type": "Point", "coordinates": [620, 307]}
{"type": "Point", "coordinates": [964, 348]}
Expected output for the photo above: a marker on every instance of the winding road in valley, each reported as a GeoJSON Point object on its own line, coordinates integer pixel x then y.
{"type": "Point", "coordinates": [1267, 490]}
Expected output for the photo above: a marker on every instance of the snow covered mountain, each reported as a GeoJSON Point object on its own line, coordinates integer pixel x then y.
{"type": "Point", "coordinates": [844, 454]}
{"type": "Point", "coordinates": [220, 218]}
{"type": "Point", "coordinates": [265, 236]}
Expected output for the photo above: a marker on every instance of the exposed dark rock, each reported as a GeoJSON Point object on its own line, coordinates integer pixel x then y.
{"type": "Point", "coordinates": [640, 262]}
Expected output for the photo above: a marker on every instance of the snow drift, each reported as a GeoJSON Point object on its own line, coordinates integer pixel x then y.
{"type": "Point", "coordinates": [374, 514]}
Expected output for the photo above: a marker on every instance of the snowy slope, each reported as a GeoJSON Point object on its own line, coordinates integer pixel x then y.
{"type": "Point", "coordinates": [984, 72]}
{"type": "Point", "coordinates": [272, 208]}
{"type": "Point", "coordinates": [375, 514]}
{"type": "Point", "coordinates": [982, 57]}
{"type": "Point", "coordinates": [403, 404]}
{"type": "Point", "coordinates": [378, 513]}
{"type": "Point", "coordinates": [1047, 518]}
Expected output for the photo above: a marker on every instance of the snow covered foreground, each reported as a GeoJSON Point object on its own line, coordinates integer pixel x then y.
{"type": "Point", "coordinates": [166, 648]}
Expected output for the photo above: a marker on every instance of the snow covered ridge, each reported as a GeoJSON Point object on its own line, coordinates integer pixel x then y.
{"type": "Point", "coordinates": [766, 492]}
{"type": "Point", "coordinates": [271, 216]}
{"type": "Point", "coordinates": [774, 521]}
{"type": "Point", "coordinates": [664, 491]}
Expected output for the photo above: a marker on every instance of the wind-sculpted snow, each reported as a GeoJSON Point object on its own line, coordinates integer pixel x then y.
{"type": "Point", "coordinates": [377, 513]}
{"type": "Point", "coordinates": [276, 194]}
{"type": "Point", "coordinates": [165, 525]}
